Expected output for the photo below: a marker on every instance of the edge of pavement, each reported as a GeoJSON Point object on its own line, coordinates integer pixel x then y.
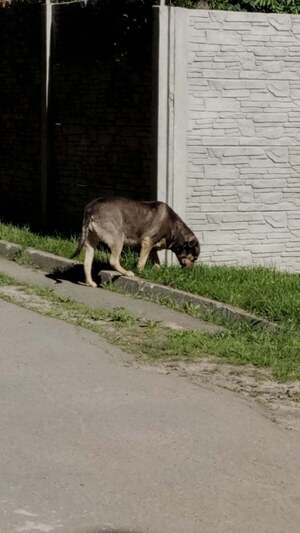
{"type": "Point", "coordinates": [134, 286]}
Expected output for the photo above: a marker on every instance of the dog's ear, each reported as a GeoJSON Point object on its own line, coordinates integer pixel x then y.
{"type": "Point", "coordinates": [193, 242]}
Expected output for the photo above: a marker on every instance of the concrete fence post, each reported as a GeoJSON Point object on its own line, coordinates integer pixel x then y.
{"type": "Point", "coordinates": [171, 109]}
{"type": "Point", "coordinates": [179, 101]}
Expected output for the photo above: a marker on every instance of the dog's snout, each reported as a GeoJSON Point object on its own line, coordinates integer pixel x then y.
{"type": "Point", "coordinates": [186, 262]}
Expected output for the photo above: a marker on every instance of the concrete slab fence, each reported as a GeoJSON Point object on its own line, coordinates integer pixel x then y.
{"type": "Point", "coordinates": [229, 132]}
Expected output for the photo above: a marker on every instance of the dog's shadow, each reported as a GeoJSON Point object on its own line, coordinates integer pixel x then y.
{"type": "Point", "coordinates": [75, 273]}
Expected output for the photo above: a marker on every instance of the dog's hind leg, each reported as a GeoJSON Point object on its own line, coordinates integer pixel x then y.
{"type": "Point", "coordinates": [144, 254]}
{"type": "Point", "coordinates": [89, 246]}
{"type": "Point", "coordinates": [114, 260]}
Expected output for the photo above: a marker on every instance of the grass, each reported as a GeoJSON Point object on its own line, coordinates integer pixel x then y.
{"type": "Point", "coordinates": [242, 345]}
{"type": "Point", "coordinates": [238, 344]}
{"type": "Point", "coordinates": [5, 280]}
{"type": "Point", "coordinates": [54, 244]}
{"type": "Point", "coordinates": [64, 307]}
{"type": "Point", "coordinates": [117, 326]}
{"type": "Point", "coordinates": [268, 293]}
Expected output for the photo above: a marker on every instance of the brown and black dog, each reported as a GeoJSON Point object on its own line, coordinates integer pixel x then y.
{"type": "Point", "coordinates": [151, 226]}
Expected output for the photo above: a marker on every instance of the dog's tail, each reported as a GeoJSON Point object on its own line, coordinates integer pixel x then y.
{"type": "Point", "coordinates": [83, 236]}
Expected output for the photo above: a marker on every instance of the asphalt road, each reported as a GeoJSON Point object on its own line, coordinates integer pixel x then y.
{"type": "Point", "coordinates": [90, 443]}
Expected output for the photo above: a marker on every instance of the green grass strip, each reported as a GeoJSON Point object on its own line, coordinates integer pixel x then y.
{"type": "Point", "coordinates": [238, 344]}
{"type": "Point", "coordinates": [266, 292]}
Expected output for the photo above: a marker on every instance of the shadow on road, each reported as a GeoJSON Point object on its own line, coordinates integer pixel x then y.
{"type": "Point", "coordinates": [107, 530]}
{"type": "Point", "coordinates": [75, 274]}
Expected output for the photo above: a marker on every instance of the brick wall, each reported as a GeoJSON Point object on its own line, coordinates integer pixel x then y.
{"type": "Point", "coordinates": [243, 137]}
{"type": "Point", "coordinates": [20, 120]}
{"type": "Point", "coordinates": [100, 115]}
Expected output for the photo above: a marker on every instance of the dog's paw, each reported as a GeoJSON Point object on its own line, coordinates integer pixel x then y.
{"type": "Point", "coordinates": [92, 284]}
{"type": "Point", "coordinates": [130, 274]}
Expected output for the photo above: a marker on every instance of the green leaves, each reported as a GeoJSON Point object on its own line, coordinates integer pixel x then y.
{"type": "Point", "coordinates": [268, 6]}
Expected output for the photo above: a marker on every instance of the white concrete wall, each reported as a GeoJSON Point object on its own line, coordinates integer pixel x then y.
{"type": "Point", "coordinates": [233, 130]}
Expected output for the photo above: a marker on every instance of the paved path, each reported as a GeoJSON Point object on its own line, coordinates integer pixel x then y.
{"type": "Point", "coordinates": [89, 443]}
{"type": "Point", "coordinates": [106, 299]}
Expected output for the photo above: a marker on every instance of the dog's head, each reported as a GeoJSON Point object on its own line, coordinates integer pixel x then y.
{"type": "Point", "coordinates": [188, 252]}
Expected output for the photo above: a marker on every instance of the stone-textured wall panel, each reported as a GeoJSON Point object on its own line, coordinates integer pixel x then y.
{"type": "Point", "coordinates": [243, 140]}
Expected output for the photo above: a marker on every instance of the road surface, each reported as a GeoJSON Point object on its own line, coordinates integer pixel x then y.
{"type": "Point", "coordinates": [91, 443]}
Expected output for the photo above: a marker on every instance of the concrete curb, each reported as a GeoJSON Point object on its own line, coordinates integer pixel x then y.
{"type": "Point", "coordinates": [137, 286]}
{"type": "Point", "coordinates": [38, 258]}
{"type": "Point", "coordinates": [9, 249]}
{"type": "Point", "coordinates": [48, 261]}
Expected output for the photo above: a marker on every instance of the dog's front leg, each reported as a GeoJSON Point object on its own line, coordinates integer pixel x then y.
{"type": "Point", "coordinates": [114, 260]}
{"type": "Point", "coordinates": [144, 254]}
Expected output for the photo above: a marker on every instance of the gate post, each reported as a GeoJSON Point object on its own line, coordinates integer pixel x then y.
{"type": "Point", "coordinates": [46, 15]}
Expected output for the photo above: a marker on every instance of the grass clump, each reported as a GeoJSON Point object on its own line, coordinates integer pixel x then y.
{"type": "Point", "coordinates": [55, 244]}
{"type": "Point", "coordinates": [241, 345]}
{"type": "Point", "coordinates": [5, 280]}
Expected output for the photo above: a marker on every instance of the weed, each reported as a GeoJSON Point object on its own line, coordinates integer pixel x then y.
{"type": "Point", "coordinates": [5, 280]}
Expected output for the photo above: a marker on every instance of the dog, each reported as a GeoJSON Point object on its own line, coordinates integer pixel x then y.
{"type": "Point", "coordinates": [151, 226]}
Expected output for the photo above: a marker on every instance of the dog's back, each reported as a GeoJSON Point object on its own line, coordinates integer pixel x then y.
{"type": "Point", "coordinates": [130, 218]}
